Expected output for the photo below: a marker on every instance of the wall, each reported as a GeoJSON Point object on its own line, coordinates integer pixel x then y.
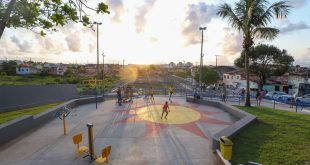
{"type": "Point", "coordinates": [17, 127]}
{"type": "Point", "coordinates": [245, 119]}
{"type": "Point", "coordinates": [14, 97]}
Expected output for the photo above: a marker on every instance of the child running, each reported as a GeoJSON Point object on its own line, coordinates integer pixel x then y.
{"type": "Point", "coordinates": [165, 110]}
{"type": "Point", "coordinates": [151, 93]}
{"type": "Point", "coordinates": [170, 91]}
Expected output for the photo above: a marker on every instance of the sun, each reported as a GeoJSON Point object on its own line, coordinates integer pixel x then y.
{"type": "Point", "coordinates": [185, 117]}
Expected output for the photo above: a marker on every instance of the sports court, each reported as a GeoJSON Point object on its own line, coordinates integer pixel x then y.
{"type": "Point", "coordinates": [135, 131]}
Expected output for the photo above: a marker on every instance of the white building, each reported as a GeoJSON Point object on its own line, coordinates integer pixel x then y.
{"type": "Point", "coordinates": [235, 79]}
{"type": "Point", "coordinates": [26, 70]}
{"type": "Point", "coordinates": [61, 71]}
{"type": "Point", "coordinates": [295, 79]}
{"type": "Point", "coordinates": [231, 79]}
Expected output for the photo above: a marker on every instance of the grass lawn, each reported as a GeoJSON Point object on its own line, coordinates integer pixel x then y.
{"type": "Point", "coordinates": [7, 116]}
{"type": "Point", "coordinates": [278, 137]}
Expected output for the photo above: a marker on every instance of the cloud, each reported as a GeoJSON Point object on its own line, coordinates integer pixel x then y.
{"type": "Point", "coordinates": [73, 42]}
{"type": "Point", "coordinates": [116, 8]}
{"type": "Point", "coordinates": [304, 58]}
{"type": "Point", "coordinates": [291, 27]}
{"type": "Point", "coordinates": [232, 42]}
{"type": "Point", "coordinates": [140, 19]}
{"type": "Point", "coordinates": [196, 16]}
{"type": "Point", "coordinates": [23, 46]}
{"type": "Point", "coordinates": [297, 3]}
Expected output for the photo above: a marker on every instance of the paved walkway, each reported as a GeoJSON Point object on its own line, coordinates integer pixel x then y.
{"type": "Point", "coordinates": [136, 133]}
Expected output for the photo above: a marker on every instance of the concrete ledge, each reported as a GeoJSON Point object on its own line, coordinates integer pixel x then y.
{"type": "Point", "coordinates": [226, 162]}
{"type": "Point", "coordinates": [19, 126]}
{"type": "Point", "coordinates": [245, 119]}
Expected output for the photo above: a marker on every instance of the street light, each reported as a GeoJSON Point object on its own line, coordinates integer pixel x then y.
{"type": "Point", "coordinates": [97, 68]}
{"type": "Point", "coordinates": [216, 65]}
{"type": "Point", "coordinates": [201, 57]}
{"type": "Point", "coordinates": [102, 75]}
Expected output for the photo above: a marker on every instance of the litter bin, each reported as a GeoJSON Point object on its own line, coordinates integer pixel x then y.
{"type": "Point", "coordinates": [226, 147]}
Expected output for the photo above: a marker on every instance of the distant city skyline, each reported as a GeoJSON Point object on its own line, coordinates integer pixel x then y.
{"type": "Point", "coordinates": [156, 32]}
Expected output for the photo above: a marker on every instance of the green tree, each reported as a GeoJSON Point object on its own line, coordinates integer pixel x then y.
{"type": "Point", "coordinates": [69, 72]}
{"type": "Point", "coordinates": [209, 76]}
{"type": "Point", "coordinates": [45, 14]}
{"type": "Point", "coordinates": [45, 72]}
{"type": "Point", "coordinates": [9, 67]}
{"type": "Point", "coordinates": [266, 60]}
{"type": "Point", "coordinates": [251, 17]}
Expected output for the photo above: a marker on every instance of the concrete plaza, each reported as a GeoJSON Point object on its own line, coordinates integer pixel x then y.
{"type": "Point", "coordinates": [135, 132]}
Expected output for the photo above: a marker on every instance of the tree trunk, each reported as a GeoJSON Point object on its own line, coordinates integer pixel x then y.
{"type": "Point", "coordinates": [247, 99]}
{"type": "Point", "coordinates": [6, 17]}
{"type": "Point", "coordinates": [247, 43]}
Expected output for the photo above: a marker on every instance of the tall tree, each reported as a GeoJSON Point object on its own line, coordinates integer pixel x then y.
{"type": "Point", "coordinates": [9, 67]}
{"type": "Point", "coordinates": [251, 18]}
{"type": "Point", "coordinates": [266, 60]}
{"type": "Point", "coordinates": [44, 15]}
{"type": "Point", "coordinates": [209, 76]}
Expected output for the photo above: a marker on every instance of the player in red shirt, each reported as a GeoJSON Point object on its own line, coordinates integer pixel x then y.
{"type": "Point", "coordinates": [165, 110]}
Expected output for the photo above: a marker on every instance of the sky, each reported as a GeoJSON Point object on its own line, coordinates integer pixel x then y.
{"type": "Point", "coordinates": [156, 32]}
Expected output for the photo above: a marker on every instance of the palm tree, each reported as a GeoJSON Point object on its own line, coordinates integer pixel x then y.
{"type": "Point", "coordinates": [251, 17]}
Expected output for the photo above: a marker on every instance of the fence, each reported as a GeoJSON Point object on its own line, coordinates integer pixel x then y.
{"type": "Point", "coordinates": [274, 102]}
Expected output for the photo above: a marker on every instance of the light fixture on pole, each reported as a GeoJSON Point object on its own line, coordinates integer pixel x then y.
{"type": "Point", "coordinates": [97, 68]}
{"type": "Point", "coordinates": [201, 57]}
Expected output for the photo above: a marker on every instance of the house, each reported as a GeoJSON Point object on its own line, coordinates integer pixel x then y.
{"type": "Point", "coordinates": [232, 78]}
{"type": "Point", "coordinates": [295, 79]}
{"type": "Point", "coordinates": [194, 69]}
{"type": "Point", "coordinates": [277, 83]}
{"type": "Point", "coordinates": [237, 79]}
{"type": "Point", "coordinates": [171, 65]}
{"type": "Point", "coordinates": [61, 70]}
{"type": "Point", "coordinates": [180, 65]}
{"type": "Point", "coordinates": [26, 70]}
{"type": "Point", "coordinates": [223, 69]}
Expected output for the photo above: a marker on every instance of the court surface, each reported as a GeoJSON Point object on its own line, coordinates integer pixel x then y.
{"type": "Point", "coordinates": [135, 131]}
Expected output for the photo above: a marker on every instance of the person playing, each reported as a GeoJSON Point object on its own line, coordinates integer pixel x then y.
{"type": "Point", "coordinates": [165, 110]}
{"type": "Point", "coordinates": [119, 96]}
{"type": "Point", "coordinates": [151, 93]}
{"type": "Point", "coordinates": [258, 97]}
{"type": "Point", "coordinates": [242, 93]}
{"type": "Point", "coordinates": [170, 91]}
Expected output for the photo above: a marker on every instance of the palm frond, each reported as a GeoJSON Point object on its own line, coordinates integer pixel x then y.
{"type": "Point", "coordinates": [225, 11]}
{"type": "Point", "coordinates": [279, 9]}
{"type": "Point", "coordinates": [265, 32]}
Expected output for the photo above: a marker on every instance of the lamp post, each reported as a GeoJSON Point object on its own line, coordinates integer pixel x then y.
{"type": "Point", "coordinates": [201, 58]}
{"type": "Point", "coordinates": [97, 68]}
{"type": "Point", "coordinates": [216, 64]}
{"type": "Point", "coordinates": [102, 75]}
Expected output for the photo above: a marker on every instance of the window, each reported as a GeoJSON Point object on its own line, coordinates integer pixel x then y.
{"type": "Point", "coordinates": [237, 77]}
{"type": "Point", "coordinates": [224, 76]}
{"type": "Point", "coordinates": [232, 77]}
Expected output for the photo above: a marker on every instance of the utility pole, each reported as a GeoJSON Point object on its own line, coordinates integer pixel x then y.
{"type": "Point", "coordinates": [103, 75]}
{"type": "Point", "coordinates": [216, 64]}
{"type": "Point", "coordinates": [201, 58]}
{"type": "Point", "coordinates": [216, 61]}
{"type": "Point", "coordinates": [97, 68]}
{"type": "Point", "coordinates": [123, 63]}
